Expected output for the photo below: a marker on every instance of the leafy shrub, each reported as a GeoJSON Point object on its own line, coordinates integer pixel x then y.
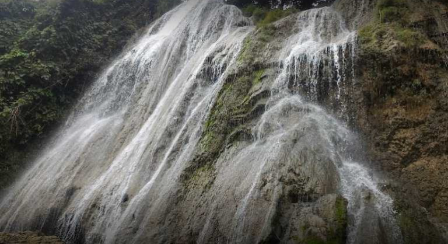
{"type": "Point", "coordinates": [50, 53]}
{"type": "Point", "coordinates": [264, 16]}
{"type": "Point", "coordinates": [409, 37]}
{"type": "Point", "coordinates": [391, 3]}
{"type": "Point", "coordinates": [393, 10]}
{"type": "Point", "coordinates": [249, 10]}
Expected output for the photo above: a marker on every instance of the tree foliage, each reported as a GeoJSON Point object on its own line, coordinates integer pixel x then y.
{"type": "Point", "coordinates": [50, 51]}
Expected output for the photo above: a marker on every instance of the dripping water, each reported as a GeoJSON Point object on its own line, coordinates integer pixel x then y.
{"type": "Point", "coordinates": [131, 134]}
{"type": "Point", "coordinates": [299, 136]}
{"type": "Point", "coordinates": [110, 172]}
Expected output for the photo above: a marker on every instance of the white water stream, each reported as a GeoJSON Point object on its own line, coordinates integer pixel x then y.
{"type": "Point", "coordinates": [112, 167]}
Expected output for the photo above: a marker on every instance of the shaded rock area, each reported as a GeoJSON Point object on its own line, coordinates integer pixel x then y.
{"type": "Point", "coordinates": [356, 13]}
{"type": "Point", "coordinates": [301, 4]}
{"type": "Point", "coordinates": [303, 206]}
{"type": "Point", "coordinates": [400, 106]}
{"type": "Point", "coordinates": [324, 221]}
{"type": "Point", "coordinates": [28, 238]}
{"type": "Point", "coordinates": [397, 101]}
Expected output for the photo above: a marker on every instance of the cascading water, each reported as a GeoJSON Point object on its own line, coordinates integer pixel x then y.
{"type": "Point", "coordinates": [113, 173]}
{"type": "Point", "coordinates": [324, 51]}
{"type": "Point", "coordinates": [139, 122]}
{"type": "Point", "coordinates": [295, 135]}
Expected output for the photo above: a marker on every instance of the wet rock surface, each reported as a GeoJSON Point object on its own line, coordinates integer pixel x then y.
{"type": "Point", "coordinates": [28, 238]}
{"type": "Point", "coordinates": [400, 108]}
{"type": "Point", "coordinates": [269, 166]}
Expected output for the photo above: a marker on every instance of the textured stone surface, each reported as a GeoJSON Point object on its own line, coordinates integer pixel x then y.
{"type": "Point", "coordinates": [399, 105]}
{"type": "Point", "coordinates": [401, 109]}
{"type": "Point", "coordinates": [28, 238]}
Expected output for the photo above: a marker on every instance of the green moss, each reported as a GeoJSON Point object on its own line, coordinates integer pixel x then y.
{"type": "Point", "coordinates": [333, 236]}
{"type": "Point", "coordinates": [264, 16]}
{"type": "Point", "coordinates": [390, 27]}
{"type": "Point", "coordinates": [267, 33]}
{"type": "Point", "coordinates": [393, 10]}
{"type": "Point", "coordinates": [275, 15]}
{"type": "Point", "coordinates": [233, 105]}
{"type": "Point", "coordinates": [313, 240]}
{"type": "Point", "coordinates": [377, 37]}
{"type": "Point", "coordinates": [200, 178]}
{"type": "Point", "coordinates": [341, 212]}
{"type": "Point", "coordinates": [253, 45]}
{"type": "Point", "coordinates": [415, 227]}
{"type": "Point", "coordinates": [391, 3]}
{"type": "Point", "coordinates": [414, 223]}
{"type": "Point", "coordinates": [222, 122]}
{"type": "Point", "coordinates": [339, 234]}
{"type": "Point", "coordinates": [409, 37]}
{"type": "Point", "coordinates": [257, 76]}
{"type": "Point", "coordinates": [317, 240]}
{"type": "Point", "coordinates": [249, 10]}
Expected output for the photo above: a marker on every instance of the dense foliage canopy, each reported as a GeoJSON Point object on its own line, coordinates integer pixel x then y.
{"type": "Point", "coordinates": [50, 51]}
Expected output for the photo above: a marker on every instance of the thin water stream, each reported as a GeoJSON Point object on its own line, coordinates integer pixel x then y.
{"type": "Point", "coordinates": [110, 173]}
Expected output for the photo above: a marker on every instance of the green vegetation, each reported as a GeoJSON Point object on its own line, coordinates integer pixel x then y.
{"type": "Point", "coordinates": [50, 52]}
{"type": "Point", "coordinates": [201, 178]}
{"type": "Point", "coordinates": [382, 36]}
{"type": "Point", "coordinates": [414, 224]}
{"type": "Point", "coordinates": [264, 16]}
{"type": "Point", "coordinates": [339, 234]}
{"type": "Point", "coordinates": [233, 105]}
{"type": "Point", "coordinates": [390, 28]}
{"type": "Point", "coordinates": [393, 10]}
{"type": "Point", "coordinates": [318, 240]}
{"type": "Point", "coordinates": [314, 240]}
{"type": "Point", "coordinates": [258, 75]}
{"type": "Point", "coordinates": [391, 43]}
{"type": "Point", "coordinates": [341, 211]}
{"type": "Point", "coordinates": [336, 235]}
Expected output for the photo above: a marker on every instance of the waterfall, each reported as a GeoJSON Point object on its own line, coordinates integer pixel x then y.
{"type": "Point", "coordinates": [112, 174]}
{"type": "Point", "coordinates": [132, 132]}
{"type": "Point", "coordinates": [324, 51]}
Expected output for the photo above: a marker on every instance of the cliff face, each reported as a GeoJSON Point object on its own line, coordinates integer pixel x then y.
{"type": "Point", "coordinates": [402, 104]}
{"type": "Point", "coordinates": [400, 107]}
{"type": "Point", "coordinates": [397, 102]}
{"type": "Point", "coordinates": [28, 238]}
{"type": "Point", "coordinates": [269, 156]}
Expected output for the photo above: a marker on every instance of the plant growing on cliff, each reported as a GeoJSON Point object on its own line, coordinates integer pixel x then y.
{"type": "Point", "coordinates": [392, 10]}
{"type": "Point", "coordinates": [390, 27]}
{"type": "Point", "coordinates": [264, 16]}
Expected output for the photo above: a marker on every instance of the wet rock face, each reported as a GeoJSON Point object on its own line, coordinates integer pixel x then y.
{"type": "Point", "coordinates": [400, 106]}
{"type": "Point", "coordinates": [250, 159]}
{"type": "Point", "coordinates": [325, 220]}
{"type": "Point", "coordinates": [407, 135]}
{"type": "Point", "coordinates": [301, 4]}
{"type": "Point", "coordinates": [269, 165]}
{"type": "Point", "coordinates": [28, 238]}
{"type": "Point", "coordinates": [356, 13]}
{"type": "Point", "coordinates": [399, 102]}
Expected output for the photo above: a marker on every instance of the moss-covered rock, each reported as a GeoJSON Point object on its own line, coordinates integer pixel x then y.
{"type": "Point", "coordinates": [28, 238]}
{"type": "Point", "coordinates": [400, 106]}
{"type": "Point", "coordinates": [333, 210]}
